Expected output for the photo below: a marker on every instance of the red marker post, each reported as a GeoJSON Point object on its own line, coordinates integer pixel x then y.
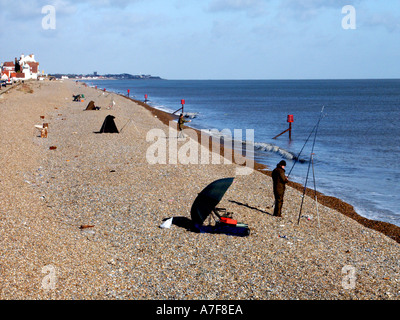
{"type": "Point", "coordinates": [181, 108]}
{"type": "Point", "coordinates": [290, 119]}
{"type": "Point", "coordinates": [183, 104]}
{"type": "Point", "coordinates": [128, 92]}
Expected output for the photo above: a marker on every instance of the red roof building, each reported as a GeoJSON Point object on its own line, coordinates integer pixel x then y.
{"type": "Point", "coordinates": [28, 68]}
{"type": "Point", "coordinates": [9, 66]}
{"type": "Point", "coordinates": [7, 69]}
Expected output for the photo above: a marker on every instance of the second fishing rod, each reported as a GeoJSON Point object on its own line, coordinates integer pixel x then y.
{"type": "Point", "coordinates": [315, 129]}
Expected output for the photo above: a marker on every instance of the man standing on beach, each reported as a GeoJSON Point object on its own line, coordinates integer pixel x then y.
{"type": "Point", "coordinates": [279, 182]}
{"type": "Point", "coordinates": [181, 121]}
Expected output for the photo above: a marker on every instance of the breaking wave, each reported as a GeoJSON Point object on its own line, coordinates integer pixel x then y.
{"type": "Point", "coordinates": [256, 146]}
{"type": "Point", "coordinates": [267, 147]}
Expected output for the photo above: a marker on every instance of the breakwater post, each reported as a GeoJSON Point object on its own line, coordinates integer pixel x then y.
{"type": "Point", "coordinates": [290, 120]}
{"type": "Point", "coordinates": [181, 108]}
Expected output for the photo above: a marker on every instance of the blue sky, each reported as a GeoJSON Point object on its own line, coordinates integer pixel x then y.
{"type": "Point", "coordinates": [210, 39]}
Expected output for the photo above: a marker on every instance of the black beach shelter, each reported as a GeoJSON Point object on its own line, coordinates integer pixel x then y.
{"type": "Point", "coordinates": [91, 106]}
{"type": "Point", "coordinates": [205, 206]}
{"type": "Point", "coordinates": [109, 125]}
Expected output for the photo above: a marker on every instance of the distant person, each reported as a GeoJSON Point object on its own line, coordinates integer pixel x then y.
{"type": "Point", "coordinates": [181, 122]}
{"type": "Point", "coordinates": [279, 182]}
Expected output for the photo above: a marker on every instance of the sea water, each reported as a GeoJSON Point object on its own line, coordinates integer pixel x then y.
{"type": "Point", "coordinates": [355, 149]}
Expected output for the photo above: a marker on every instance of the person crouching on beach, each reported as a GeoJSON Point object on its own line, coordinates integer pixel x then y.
{"type": "Point", "coordinates": [279, 182]}
{"type": "Point", "coordinates": [181, 121]}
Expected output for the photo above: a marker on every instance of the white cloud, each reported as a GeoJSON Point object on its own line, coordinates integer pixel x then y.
{"type": "Point", "coordinates": [308, 9]}
{"type": "Point", "coordinates": [253, 7]}
{"type": "Point", "coordinates": [18, 10]}
{"type": "Point", "coordinates": [387, 20]}
{"type": "Point", "coordinates": [108, 3]}
{"type": "Point", "coordinates": [316, 4]}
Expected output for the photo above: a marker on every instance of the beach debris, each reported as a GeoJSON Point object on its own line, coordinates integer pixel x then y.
{"type": "Point", "coordinates": [43, 129]}
{"type": "Point", "coordinates": [53, 148]}
{"type": "Point", "coordinates": [43, 133]}
{"type": "Point", "coordinates": [166, 224]}
{"type": "Point", "coordinates": [282, 236]}
{"type": "Point", "coordinates": [86, 226]}
{"type": "Point", "coordinates": [112, 262]}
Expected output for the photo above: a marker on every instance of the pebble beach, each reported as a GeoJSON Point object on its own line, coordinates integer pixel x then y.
{"type": "Point", "coordinates": [86, 209]}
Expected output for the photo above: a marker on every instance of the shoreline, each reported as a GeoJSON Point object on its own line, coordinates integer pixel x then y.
{"type": "Point", "coordinates": [390, 230]}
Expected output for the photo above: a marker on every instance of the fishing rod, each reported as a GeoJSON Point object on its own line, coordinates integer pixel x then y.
{"type": "Point", "coordinates": [315, 188]}
{"type": "Point", "coordinates": [129, 121]}
{"type": "Point", "coordinates": [125, 125]}
{"type": "Point", "coordinates": [298, 156]}
{"type": "Point", "coordinates": [309, 165]}
{"type": "Point", "coordinates": [315, 127]}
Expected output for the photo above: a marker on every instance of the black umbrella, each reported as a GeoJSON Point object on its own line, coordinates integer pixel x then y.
{"type": "Point", "coordinates": [208, 199]}
{"type": "Point", "coordinates": [206, 203]}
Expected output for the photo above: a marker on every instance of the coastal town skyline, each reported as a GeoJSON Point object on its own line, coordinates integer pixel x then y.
{"type": "Point", "coordinates": [215, 39]}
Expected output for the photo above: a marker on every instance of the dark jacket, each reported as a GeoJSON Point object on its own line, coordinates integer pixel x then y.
{"type": "Point", "coordinates": [181, 122]}
{"type": "Point", "coordinates": [279, 180]}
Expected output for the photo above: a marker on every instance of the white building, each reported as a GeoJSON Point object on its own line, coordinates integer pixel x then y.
{"type": "Point", "coordinates": [29, 67]}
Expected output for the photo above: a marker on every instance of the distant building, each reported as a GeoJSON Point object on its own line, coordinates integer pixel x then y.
{"type": "Point", "coordinates": [8, 71]}
{"type": "Point", "coordinates": [29, 67]}
{"type": "Point", "coordinates": [23, 69]}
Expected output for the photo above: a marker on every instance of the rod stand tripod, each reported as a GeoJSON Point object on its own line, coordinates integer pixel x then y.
{"type": "Point", "coordinates": [305, 188]}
